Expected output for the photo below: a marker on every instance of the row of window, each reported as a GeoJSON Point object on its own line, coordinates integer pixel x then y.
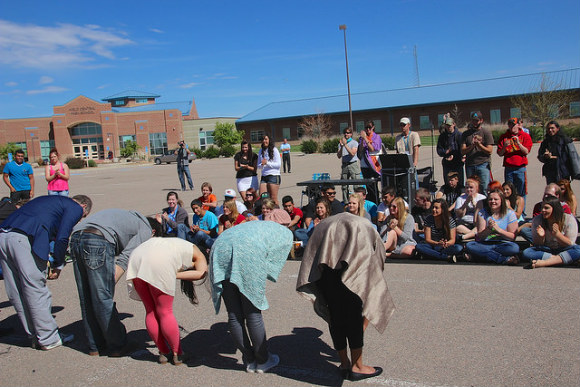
{"type": "Point", "coordinates": [424, 122]}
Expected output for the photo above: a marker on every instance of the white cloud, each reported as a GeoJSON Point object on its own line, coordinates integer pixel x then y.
{"type": "Point", "coordinates": [47, 89]}
{"type": "Point", "coordinates": [45, 80]}
{"type": "Point", "coordinates": [157, 31]}
{"type": "Point", "coordinates": [64, 45]}
{"type": "Point", "coordinates": [189, 85]}
{"type": "Point", "coordinates": [11, 84]}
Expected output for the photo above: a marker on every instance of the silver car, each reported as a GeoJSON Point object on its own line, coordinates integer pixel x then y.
{"type": "Point", "coordinates": [170, 156]}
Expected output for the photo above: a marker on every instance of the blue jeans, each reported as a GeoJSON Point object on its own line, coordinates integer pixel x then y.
{"type": "Point", "coordinates": [184, 170]}
{"type": "Point", "coordinates": [516, 175]}
{"type": "Point", "coordinates": [568, 254]}
{"type": "Point", "coordinates": [200, 239]}
{"type": "Point", "coordinates": [438, 252]}
{"type": "Point", "coordinates": [94, 268]}
{"type": "Point", "coordinates": [246, 325]}
{"type": "Point", "coordinates": [496, 251]}
{"type": "Point", "coordinates": [58, 193]}
{"type": "Point", "coordinates": [482, 171]}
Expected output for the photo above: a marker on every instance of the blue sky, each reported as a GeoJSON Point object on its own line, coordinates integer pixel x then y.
{"type": "Point", "coordinates": [235, 56]}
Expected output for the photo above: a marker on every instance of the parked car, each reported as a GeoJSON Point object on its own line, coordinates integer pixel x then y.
{"type": "Point", "coordinates": [170, 156]}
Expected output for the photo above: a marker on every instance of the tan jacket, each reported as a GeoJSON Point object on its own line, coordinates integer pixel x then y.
{"type": "Point", "coordinates": [351, 239]}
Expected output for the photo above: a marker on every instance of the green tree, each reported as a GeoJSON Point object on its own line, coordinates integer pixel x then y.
{"type": "Point", "coordinates": [130, 148]}
{"type": "Point", "coordinates": [8, 148]}
{"type": "Point", "coordinates": [225, 133]}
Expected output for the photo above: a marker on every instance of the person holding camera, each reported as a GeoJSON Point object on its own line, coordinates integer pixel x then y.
{"type": "Point", "coordinates": [183, 165]}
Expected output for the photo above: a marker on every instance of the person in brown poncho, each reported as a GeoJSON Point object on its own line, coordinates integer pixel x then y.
{"type": "Point", "coordinates": [342, 274]}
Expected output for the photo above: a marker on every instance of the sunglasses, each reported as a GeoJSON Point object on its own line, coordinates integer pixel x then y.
{"type": "Point", "coordinates": [368, 127]}
{"type": "Point", "coordinates": [330, 193]}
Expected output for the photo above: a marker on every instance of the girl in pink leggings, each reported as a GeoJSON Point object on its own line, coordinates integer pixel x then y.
{"type": "Point", "coordinates": [153, 268]}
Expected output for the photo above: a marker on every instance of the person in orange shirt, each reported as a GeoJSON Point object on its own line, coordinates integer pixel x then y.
{"type": "Point", "coordinates": [208, 199]}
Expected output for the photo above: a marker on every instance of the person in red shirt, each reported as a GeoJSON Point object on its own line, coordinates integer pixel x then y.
{"type": "Point", "coordinates": [296, 214]}
{"type": "Point", "coordinates": [208, 199]}
{"type": "Point", "coordinates": [514, 145]}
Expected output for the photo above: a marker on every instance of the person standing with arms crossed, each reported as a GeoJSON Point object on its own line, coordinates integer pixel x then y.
{"type": "Point", "coordinates": [477, 145]}
{"type": "Point", "coordinates": [19, 177]}
{"type": "Point", "coordinates": [285, 150]}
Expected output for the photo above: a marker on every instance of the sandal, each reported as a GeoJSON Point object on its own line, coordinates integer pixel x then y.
{"type": "Point", "coordinates": [531, 265]}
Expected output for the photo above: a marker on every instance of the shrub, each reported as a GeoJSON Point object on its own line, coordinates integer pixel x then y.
{"type": "Point", "coordinates": [537, 133]}
{"type": "Point", "coordinates": [572, 131]}
{"type": "Point", "coordinates": [228, 151]}
{"type": "Point", "coordinates": [92, 163]}
{"type": "Point", "coordinates": [75, 163]}
{"type": "Point", "coordinates": [309, 146]}
{"type": "Point", "coordinates": [330, 145]}
{"type": "Point", "coordinates": [496, 135]}
{"type": "Point", "coordinates": [389, 142]}
{"type": "Point", "coordinates": [211, 153]}
{"type": "Point", "coordinates": [198, 152]}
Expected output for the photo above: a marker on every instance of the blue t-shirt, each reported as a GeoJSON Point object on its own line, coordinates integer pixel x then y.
{"type": "Point", "coordinates": [285, 148]}
{"type": "Point", "coordinates": [371, 208]}
{"type": "Point", "coordinates": [209, 222]}
{"type": "Point", "coordinates": [18, 174]}
{"type": "Point", "coordinates": [508, 218]}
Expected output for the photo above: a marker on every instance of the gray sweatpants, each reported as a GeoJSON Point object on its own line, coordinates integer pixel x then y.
{"type": "Point", "coordinates": [25, 282]}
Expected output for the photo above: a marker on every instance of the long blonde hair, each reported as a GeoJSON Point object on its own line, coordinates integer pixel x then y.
{"type": "Point", "coordinates": [402, 211]}
{"type": "Point", "coordinates": [361, 203]}
{"type": "Point", "coordinates": [231, 205]}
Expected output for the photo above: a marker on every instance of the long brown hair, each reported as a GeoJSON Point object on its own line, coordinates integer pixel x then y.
{"type": "Point", "coordinates": [569, 194]}
{"type": "Point", "coordinates": [503, 209]}
{"type": "Point", "coordinates": [444, 216]}
{"type": "Point", "coordinates": [557, 213]}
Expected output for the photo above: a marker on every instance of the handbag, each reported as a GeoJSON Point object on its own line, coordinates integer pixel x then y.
{"type": "Point", "coordinates": [574, 161]}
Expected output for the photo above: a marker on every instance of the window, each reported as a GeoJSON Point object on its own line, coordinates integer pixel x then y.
{"type": "Point", "coordinates": [342, 126]}
{"type": "Point", "coordinates": [157, 143]}
{"type": "Point", "coordinates": [575, 109]}
{"type": "Point", "coordinates": [258, 135]}
{"type": "Point", "coordinates": [495, 116]}
{"type": "Point", "coordinates": [554, 111]}
{"type": "Point", "coordinates": [205, 139]}
{"type": "Point", "coordinates": [45, 147]}
{"type": "Point", "coordinates": [85, 129]}
{"type": "Point", "coordinates": [140, 100]}
{"type": "Point", "coordinates": [124, 139]}
{"type": "Point", "coordinates": [440, 119]}
{"type": "Point", "coordinates": [515, 113]}
{"type": "Point", "coordinates": [360, 126]}
{"type": "Point", "coordinates": [424, 122]}
{"type": "Point", "coordinates": [286, 133]}
{"type": "Point", "coordinates": [378, 126]}
{"type": "Point", "coordinates": [300, 131]}
{"type": "Point", "coordinates": [119, 102]}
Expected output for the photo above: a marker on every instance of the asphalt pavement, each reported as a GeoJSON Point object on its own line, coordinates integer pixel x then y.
{"type": "Point", "coordinates": [455, 324]}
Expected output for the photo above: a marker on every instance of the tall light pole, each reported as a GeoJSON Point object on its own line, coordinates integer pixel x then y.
{"type": "Point", "coordinates": [343, 28]}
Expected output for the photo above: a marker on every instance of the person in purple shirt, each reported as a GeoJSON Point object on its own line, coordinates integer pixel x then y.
{"type": "Point", "coordinates": [25, 238]}
{"type": "Point", "coordinates": [370, 144]}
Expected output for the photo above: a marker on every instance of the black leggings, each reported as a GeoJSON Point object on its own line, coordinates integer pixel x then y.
{"type": "Point", "coordinates": [346, 319]}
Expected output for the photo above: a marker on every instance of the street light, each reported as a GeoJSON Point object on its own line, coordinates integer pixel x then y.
{"type": "Point", "coordinates": [343, 28]}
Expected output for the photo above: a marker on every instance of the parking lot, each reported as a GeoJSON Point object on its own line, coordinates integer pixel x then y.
{"type": "Point", "coordinates": [455, 325]}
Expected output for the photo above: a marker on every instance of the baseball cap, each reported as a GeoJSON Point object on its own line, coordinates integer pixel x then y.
{"type": "Point", "coordinates": [405, 121]}
{"type": "Point", "coordinates": [514, 120]}
{"type": "Point", "coordinates": [449, 121]}
{"type": "Point", "coordinates": [265, 195]}
{"type": "Point", "coordinates": [230, 193]}
{"type": "Point", "coordinates": [476, 115]}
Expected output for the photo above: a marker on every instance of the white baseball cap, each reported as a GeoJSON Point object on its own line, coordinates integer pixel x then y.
{"type": "Point", "coordinates": [230, 193]}
{"type": "Point", "coordinates": [405, 121]}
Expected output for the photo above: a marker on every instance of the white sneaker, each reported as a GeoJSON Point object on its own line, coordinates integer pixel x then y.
{"type": "Point", "coordinates": [272, 362]}
{"type": "Point", "coordinates": [64, 339]}
{"type": "Point", "coordinates": [251, 367]}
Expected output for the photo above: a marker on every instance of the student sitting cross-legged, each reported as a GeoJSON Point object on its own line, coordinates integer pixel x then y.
{"type": "Point", "coordinates": [439, 234]}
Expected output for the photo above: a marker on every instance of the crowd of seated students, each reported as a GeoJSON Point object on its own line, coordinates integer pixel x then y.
{"type": "Point", "coordinates": [460, 224]}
